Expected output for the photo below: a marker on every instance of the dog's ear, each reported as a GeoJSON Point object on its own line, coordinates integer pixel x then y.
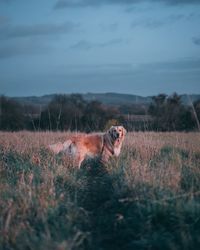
{"type": "Point", "coordinates": [111, 130]}
{"type": "Point", "coordinates": [124, 130]}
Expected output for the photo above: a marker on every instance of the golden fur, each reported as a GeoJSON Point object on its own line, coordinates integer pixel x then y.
{"type": "Point", "coordinates": [103, 145]}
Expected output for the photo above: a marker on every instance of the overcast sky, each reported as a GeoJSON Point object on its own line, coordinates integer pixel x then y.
{"type": "Point", "coordinates": [142, 47]}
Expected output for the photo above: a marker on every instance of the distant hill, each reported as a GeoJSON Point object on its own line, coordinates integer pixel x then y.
{"type": "Point", "coordinates": [117, 99]}
{"type": "Point", "coordinates": [113, 99]}
{"type": "Point", "coordinates": [35, 100]}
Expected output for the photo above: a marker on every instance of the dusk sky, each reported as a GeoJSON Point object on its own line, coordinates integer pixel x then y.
{"type": "Point", "coordinates": [142, 47]}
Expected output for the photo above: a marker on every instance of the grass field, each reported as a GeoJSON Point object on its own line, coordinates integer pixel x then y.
{"type": "Point", "coordinates": [148, 198]}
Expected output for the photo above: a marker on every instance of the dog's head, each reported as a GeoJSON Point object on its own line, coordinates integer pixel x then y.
{"type": "Point", "coordinates": [117, 133]}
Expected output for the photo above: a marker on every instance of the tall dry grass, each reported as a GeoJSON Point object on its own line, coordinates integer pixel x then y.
{"type": "Point", "coordinates": [148, 198]}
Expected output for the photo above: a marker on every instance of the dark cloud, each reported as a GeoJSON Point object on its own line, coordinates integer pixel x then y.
{"type": "Point", "coordinates": [21, 49]}
{"type": "Point", "coordinates": [153, 23]}
{"type": "Point", "coordinates": [85, 45]}
{"type": "Point", "coordinates": [109, 27]}
{"type": "Point", "coordinates": [148, 23]}
{"type": "Point", "coordinates": [146, 79]}
{"type": "Point", "coordinates": [6, 1]}
{"type": "Point", "coordinates": [109, 43]}
{"type": "Point", "coordinates": [196, 40]}
{"type": "Point", "coordinates": [163, 68]}
{"type": "Point", "coordinates": [82, 45]}
{"type": "Point", "coordinates": [84, 3]}
{"type": "Point", "coordinates": [185, 65]}
{"type": "Point", "coordinates": [178, 2]}
{"type": "Point", "coordinates": [9, 31]}
{"type": "Point", "coordinates": [6, 52]}
{"type": "Point", "coordinates": [4, 20]}
{"type": "Point", "coordinates": [91, 67]}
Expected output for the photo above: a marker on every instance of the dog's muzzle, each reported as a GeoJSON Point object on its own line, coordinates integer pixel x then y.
{"type": "Point", "coordinates": [117, 135]}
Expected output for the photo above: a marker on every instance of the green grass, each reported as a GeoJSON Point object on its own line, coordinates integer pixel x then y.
{"type": "Point", "coordinates": [149, 198]}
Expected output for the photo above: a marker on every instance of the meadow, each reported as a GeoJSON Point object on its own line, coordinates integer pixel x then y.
{"type": "Point", "coordinates": [148, 198]}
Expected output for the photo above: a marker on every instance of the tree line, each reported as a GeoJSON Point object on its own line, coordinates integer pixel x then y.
{"type": "Point", "coordinates": [170, 114]}
{"type": "Point", "coordinates": [167, 113]}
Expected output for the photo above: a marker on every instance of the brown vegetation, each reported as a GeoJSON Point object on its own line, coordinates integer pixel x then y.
{"type": "Point", "coordinates": [149, 198]}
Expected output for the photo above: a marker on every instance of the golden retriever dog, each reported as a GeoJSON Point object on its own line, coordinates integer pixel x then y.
{"type": "Point", "coordinates": [83, 146]}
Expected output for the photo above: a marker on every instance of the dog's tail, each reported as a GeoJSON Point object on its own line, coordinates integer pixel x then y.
{"type": "Point", "coordinates": [60, 147]}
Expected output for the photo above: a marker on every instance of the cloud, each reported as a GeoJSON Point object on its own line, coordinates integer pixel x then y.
{"type": "Point", "coordinates": [9, 31]}
{"type": "Point", "coordinates": [4, 20]}
{"type": "Point", "coordinates": [147, 79]}
{"type": "Point", "coordinates": [82, 45]}
{"type": "Point", "coordinates": [85, 45]}
{"type": "Point", "coordinates": [109, 27]}
{"type": "Point", "coordinates": [77, 3]}
{"type": "Point", "coordinates": [6, 1]}
{"type": "Point", "coordinates": [196, 40]}
{"type": "Point", "coordinates": [162, 68]}
{"type": "Point", "coordinates": [184, 65]}
{"type": "Point", "coordinates": [109, 43]}
{"type": "Point", "coordinates": [178, 2]}
{"type": "Point", "coordinates": [152, 23]}
{"type": "Point", "coordinates": [148, 23]}
{"type": "Point", "coordinates": [106, 66]}
{"type": "Point", "coordinates": [21, 49]}
{"type": "Point", "coordinates": [85, 3]}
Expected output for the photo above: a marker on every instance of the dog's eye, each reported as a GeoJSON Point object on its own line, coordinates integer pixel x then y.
{"type": "Point", "coordinates": [120, 130]}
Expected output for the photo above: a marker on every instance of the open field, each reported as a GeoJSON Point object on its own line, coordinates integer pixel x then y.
{"type": "Point", "coordinates": [148, 198]}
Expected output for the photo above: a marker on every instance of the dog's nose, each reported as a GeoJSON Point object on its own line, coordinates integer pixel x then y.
{"type": "Point", "coordinates": [117, 135]}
